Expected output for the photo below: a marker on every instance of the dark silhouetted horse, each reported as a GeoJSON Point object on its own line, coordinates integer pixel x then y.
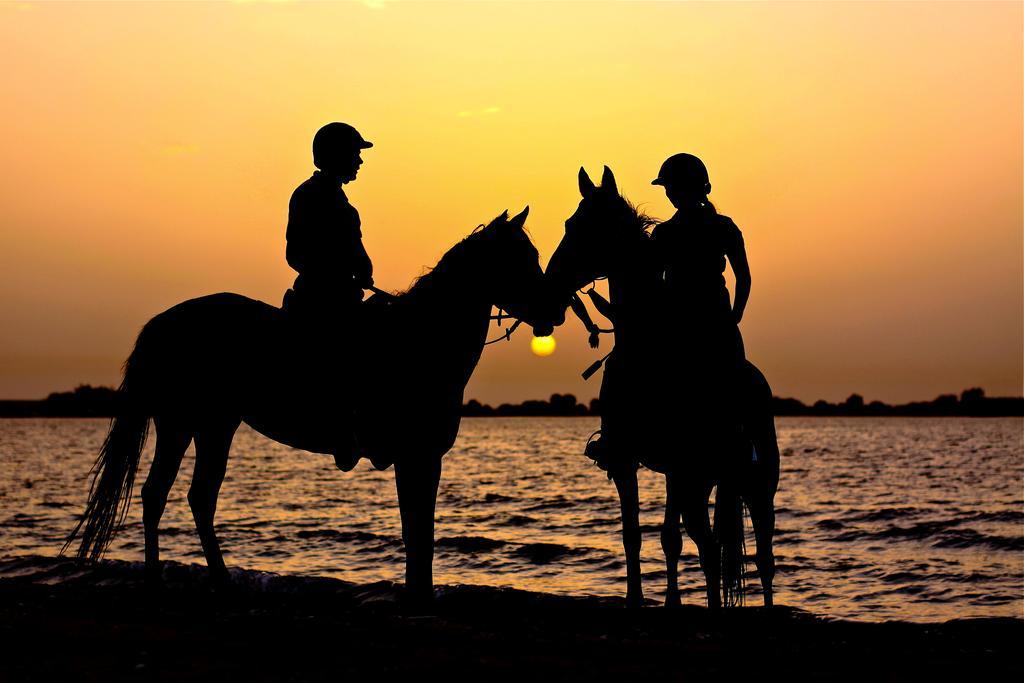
{"type": "Point", "coordinates": [201, 368]}
{"type": "Point", "coordinates": [645, 402]}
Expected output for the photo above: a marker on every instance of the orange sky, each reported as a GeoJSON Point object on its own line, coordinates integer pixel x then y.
{"type": "Point", "coordinates": [871, 153]}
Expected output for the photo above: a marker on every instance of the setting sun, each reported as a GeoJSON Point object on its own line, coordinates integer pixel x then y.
{"type": "Point", "coordinates": [542, 346]}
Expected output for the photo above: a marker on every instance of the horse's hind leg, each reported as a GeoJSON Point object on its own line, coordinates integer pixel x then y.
{"type": "Point", "coordinates": [213, 442]}
{"type": "Point", "coordinates": [629, 502]}
{"type": "Point", "coordinates": [762, 515]}
{"type": "Point", "coordinates": [671, 544]}
{"type": "Point", "coordinates": [172, 439]}
{"type": "Point", "coordinates": [693, 503]}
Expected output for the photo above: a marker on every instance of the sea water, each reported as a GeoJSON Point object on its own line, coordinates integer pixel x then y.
{"type": "Point", "coordinates": [878, 518]}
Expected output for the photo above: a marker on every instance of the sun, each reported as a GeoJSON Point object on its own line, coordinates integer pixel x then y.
{"type": "Point", "coordinates": [542, 346]}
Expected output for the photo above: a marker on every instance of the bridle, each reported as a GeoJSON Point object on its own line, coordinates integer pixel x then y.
{"type": "Point", "coordinates": [507, 335]}
{"type": "Point", "coordinates": [502, 315]}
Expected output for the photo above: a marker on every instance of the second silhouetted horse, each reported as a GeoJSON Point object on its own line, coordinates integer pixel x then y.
{"type": "Point", "coordinates": [645, 394]}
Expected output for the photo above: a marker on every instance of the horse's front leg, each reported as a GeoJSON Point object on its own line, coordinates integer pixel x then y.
{"type": "Point", "coordinates": [629, 501]}
{"type": "Point", "coordinates": [671, 544]}
{"type": "Point", "coordinates": [416, 482]}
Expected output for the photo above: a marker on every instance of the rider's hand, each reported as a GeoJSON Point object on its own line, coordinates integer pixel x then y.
{"type": "Point", "coordinates": [364, 281]}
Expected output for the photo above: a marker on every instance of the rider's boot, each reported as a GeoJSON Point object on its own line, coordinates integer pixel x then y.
{"type": "Point", "coordinates": [595, 450]}
{"type": "Point", "coordinates": [599, 449]}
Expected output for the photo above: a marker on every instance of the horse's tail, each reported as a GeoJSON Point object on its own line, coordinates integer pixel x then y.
{"type": "Point", "coordinates": [113, 474]}
{"type": "Point", "coordinates": [729, 531]}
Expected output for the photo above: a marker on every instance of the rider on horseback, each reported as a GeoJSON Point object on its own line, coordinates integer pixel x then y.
{"type": "Point", "coordinates": [324, 241]}
{"type": "Point", "coordinates": [325, 248]}
{"type": "Point", "coordinates": [692, 248]}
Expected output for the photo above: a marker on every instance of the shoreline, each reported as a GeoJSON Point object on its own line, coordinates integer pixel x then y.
{"type": "Point", "coordinates": [61, 619]}
{"type": "Point", "coordinates": [29, 416]}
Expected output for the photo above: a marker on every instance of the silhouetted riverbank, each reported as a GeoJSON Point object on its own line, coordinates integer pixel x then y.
{"type": "Point", "coordinates": [88, 401]}
{"type": "Point", "coordinates": [61, 621]}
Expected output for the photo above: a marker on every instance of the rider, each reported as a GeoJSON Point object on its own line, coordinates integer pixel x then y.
{"type": "Point", "coordinates": [691, 249]}
{"type": "Point", "coordinates": [325, 248]}
{"type": "Point", "coordinates": [324, 241]}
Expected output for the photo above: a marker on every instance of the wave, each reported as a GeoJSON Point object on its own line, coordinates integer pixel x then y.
{"type": "Point", "coordinates": [519, 520]}
{"type": "Point", "coordinates": [543, 553]}
{"type": "Point", "coordinates": [349, 537]}
{"type": "Point", "coordinates": [943, 533]}
{"type": "Point", "coordinates": [969, 538]}
{"type": "Point", "coordinates": [885, 514]}
{"type": "Point", "coordinates": [469, 544]}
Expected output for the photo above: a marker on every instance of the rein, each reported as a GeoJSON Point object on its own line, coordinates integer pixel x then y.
{"type": "Point", "coordinates": [508, 330]}
{"type": "Point", "coordinates": [506, 336]}
{"type": "Point", "coordinates": [580, 309]}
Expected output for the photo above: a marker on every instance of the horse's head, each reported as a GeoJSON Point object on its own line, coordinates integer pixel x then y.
{"type": "Point", "coordinates": [510, 271]}
{"type": "Point", "coordinates": [594, 238]}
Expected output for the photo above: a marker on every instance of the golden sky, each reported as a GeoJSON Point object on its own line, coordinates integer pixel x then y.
{"type": "Point", "coordinates": [870, 152]}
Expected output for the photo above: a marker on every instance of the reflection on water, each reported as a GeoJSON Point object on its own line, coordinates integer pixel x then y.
{"type": "Point", "coordinates": [890, 518]}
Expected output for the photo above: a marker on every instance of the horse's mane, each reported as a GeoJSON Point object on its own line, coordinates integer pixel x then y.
{"type": "Point", "coordinates": [456, 255]}
{"type": "Point", "coordinates": [640, 219]}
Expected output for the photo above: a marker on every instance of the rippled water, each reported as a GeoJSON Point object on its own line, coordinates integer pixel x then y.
{"type": "Point", "coordinates": [890, 518]}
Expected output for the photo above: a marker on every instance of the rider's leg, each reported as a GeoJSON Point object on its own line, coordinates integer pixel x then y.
{"type": "Point", "coordinates": [321, 321]}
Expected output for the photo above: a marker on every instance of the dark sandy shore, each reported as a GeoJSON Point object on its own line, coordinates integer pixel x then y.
{"type": "Point", "coordinates": [59, 621]}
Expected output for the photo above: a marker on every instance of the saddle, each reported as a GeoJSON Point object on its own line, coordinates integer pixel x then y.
{"type": "Point", "coordinates": [311, 400]}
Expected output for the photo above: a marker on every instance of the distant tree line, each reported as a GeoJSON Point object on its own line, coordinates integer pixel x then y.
{"type": "Point", "coordinates": [970, 403]}
{"type": "Point", "coordinates": [84, 401]}
{"type": "Point", "coordinates": [561, 405]}
{"type": "Point", "coordinates": [88, 401]}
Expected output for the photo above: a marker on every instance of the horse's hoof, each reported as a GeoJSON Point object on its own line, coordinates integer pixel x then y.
{"type": "Point", "coordinates": [418, 602]}
{"type": "Point", "coordinates": [346, 462]}
{"type": "Point", "coordinates": [634, 600]}
{"type": "Point", "coordinates": [672, 600]}
{"type": "Point", "coordinates": [154, 576]}
{"type": "Point", "coordinates": [220, 580]}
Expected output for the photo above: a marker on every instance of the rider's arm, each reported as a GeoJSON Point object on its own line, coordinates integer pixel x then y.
{"type": "Point", "coordinates": [603, 306]}
{"type": "Point", "coordinates": [362, 267]}
{"type": "Point", "coordinates": [736, 252]}
{"type": "Point", "coordinates": [580, 309]}
{"type": "Point", "coordinates": [302, 252]}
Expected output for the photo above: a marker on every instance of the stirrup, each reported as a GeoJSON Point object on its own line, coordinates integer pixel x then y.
{"type": "Point", "coordinates": [597, 450]}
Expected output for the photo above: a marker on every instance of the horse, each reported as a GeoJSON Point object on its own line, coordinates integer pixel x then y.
{"type": "Point", "coordinates": [607, 237]}
{"type": "Point", "coordinates": [204, 366]}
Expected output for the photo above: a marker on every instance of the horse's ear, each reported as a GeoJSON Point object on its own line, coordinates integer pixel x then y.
{"type": "Point", "coordinates": [500, 219]}
{"type": "Point", "coordinates": [520, 218]}
{"type": "Point", "coordinates": [586, 184]}
{"type": "Point", "coordinates": [608, 181]}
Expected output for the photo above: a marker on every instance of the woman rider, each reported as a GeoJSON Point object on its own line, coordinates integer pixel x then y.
{"type": "Point", "coordinates": [691, 250]}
